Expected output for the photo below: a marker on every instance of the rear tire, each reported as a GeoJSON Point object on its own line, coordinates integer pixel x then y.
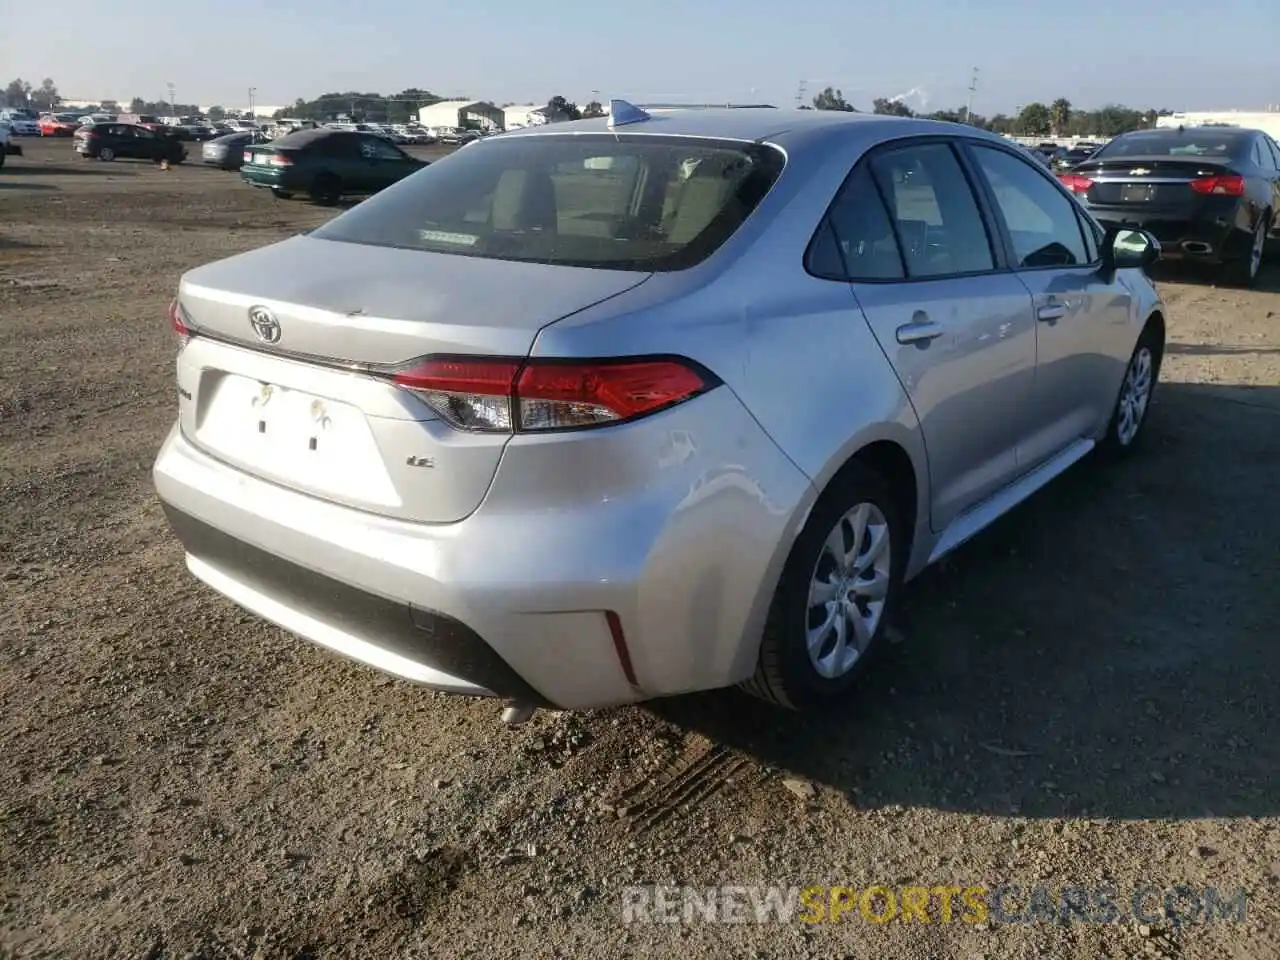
{"type": "Point", "coordinates": [829, 612]}
{"type": "Point", "coordinates": [106, 153]}
{"type": "Point", "coordinates": [326, 189]}
{"type": "Point", "coordinates": [1244, 272]}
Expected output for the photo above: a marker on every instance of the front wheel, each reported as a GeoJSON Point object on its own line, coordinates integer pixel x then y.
{"type": "Point", "coordinates": [831, 606]}
{"type": "Point", "coordinates": [106, 153]}
{"type": "Point", "coordinates": [1136, 390]}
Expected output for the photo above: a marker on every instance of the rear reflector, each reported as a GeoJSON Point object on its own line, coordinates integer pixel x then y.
{"type": "Point", "coordinates": [1219, 186]}
{"type": "Point", "coordinates": [1075, 183]}
{"type": "Point", "coordinates": [514, 396]}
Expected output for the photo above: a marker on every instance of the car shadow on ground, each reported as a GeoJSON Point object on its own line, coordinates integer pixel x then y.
{"type": "Point", "coordinates": [1106, 651]}
{"type": "Point", "coordinates": [45, 169]}
{"type": "Point", "coordinates": [29, 186]}
{"type": "Point", "coordinates": [1192, 274]}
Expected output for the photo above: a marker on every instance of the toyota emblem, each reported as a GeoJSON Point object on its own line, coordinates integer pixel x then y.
{"type": "Point", "coordinates": [264, 324]}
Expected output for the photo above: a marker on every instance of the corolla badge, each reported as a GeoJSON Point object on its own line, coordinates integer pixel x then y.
{"type": "Point", "coordinates": [264, 324]}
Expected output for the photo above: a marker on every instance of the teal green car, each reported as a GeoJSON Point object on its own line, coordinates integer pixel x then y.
{"type": "Point", "coordinates": [326, 165]}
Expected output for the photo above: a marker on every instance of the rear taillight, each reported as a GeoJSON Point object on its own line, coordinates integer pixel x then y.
{"type": "Point", "coordinates": [515, 396]}
{"type": "Point", "coordinates": [177, 319]}
{"type": "Point", "coordinates": [1219, 186]}
{"type": "Point", "coordinates": [1075, 183]}
{"type": "Point", "coordinates": [279, 160]}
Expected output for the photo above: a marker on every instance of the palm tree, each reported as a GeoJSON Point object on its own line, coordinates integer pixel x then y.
{"type": "Point", "coordinates": [1060, 116]}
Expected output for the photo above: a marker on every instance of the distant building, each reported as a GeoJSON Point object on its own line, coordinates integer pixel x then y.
{"type": "Point", "coordinates": [479, 114]}
{"type": "Point", "coordinates": [90, 104]}
{"type": "Point", "coordinates": [1268, 121]}
{"type": "Point", "coordinates": [524, 115]}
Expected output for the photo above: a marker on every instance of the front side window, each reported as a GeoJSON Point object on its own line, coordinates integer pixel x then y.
{"type": "Point", "coordinates": [1041, 220]}
{"type": "Point", "coordinates": [935, 215]}
{"type": "Point", "coordinates": [639, 202]}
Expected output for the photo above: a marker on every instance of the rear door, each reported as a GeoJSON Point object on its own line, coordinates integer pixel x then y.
{"type": "Point", "coordinates": [957, 331]}
{"type": "Point", "coordinates": [1082, 314]}
{"type": "Point", "coordinates": [384, 163]}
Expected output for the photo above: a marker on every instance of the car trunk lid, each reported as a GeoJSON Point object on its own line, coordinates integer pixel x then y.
{"type": "Point", "coordinates": [1154, 182]}
{"type": "Point", "coordinates": [286, 376]}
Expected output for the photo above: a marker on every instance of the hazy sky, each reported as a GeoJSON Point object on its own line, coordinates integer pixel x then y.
{"type": "Point", "coordinates": [1179, 54]}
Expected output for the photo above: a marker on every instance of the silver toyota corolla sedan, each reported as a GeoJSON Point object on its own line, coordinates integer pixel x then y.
{"type": "Point", "coordinates": [609, 410]}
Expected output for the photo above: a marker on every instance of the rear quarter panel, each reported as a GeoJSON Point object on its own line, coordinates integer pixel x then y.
{"type": "Point", "coordinates": [794, 349]}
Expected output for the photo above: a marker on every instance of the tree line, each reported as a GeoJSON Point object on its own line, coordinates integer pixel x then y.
{"type": "Point", "coordinates": [1056, 119]}
{"type": "Point", "coordinates": [1059, 118]}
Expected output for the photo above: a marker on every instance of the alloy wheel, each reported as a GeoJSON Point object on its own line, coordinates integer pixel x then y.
{"type": "Point", "coordinates": [847, 590]}
{"type": "Point", "coordinates": [1135, 395]}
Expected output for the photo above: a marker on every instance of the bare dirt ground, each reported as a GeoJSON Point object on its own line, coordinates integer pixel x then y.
{"type": "Point", "coordinates": [1086, 694]}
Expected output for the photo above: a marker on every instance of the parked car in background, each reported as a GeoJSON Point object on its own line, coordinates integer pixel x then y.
{"type": "Point", "coordinates": [227, 151]}
{"type": "Point", "coordinates": [1069, 157]}
{"type": "Point", "coordinates": [326, 164]}
{"type": "Point", "coordinates": [506, 429]}
{"type": "Point", "coordinates": [22, 122]}
{"type": "Point", "coordinates": [128, 141]}
{"type": "Point", "coordinates": [1210, 194]}
{"type": "Point", "coordinates": [8, 148]}
{"type": "Point", "coordinates": [59, 124]}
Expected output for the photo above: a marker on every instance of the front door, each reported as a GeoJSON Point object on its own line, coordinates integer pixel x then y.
{"type": "Point", "coordinates": [1082, 311]}
{"type": "Point", "coordinates": [958, 333]}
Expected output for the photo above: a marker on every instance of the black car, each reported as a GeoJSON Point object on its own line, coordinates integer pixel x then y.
{"type": "Point", "coordinates": [1209, 194]}
{"type": "Point", "coordinates": [111, 141]}
{"type": "Point", "coordinates": [1066, 159]}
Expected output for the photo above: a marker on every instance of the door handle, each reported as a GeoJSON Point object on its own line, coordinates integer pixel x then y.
{"type": "Point", "coordinates": [1051, 312]}
{"type": "Point", "coordinates": [919, 332]}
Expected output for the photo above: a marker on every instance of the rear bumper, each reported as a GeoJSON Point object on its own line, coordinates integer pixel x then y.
{"type": "Point", "coordinates": [415, 643]}
{"type": "Point", "coordinates": [515, 600]}
{"type": "Point", "coordinates": [1210, 239]}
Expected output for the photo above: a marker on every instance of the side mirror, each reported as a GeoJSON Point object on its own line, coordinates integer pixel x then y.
{"type": "Point", "coordinates": [1124, 248]}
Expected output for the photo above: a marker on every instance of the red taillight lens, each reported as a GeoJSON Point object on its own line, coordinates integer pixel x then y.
{"type": "Point", "coordinates": [1075, 183]}
{"type": "Point", "coordinates": [248, 156]}
{"type": "Point", "coordinates": [1219, 186]}
{"type": "Point", "coordinates": [512, 396]}
{"type": "Point", "coordinates": [280, 160]}
{"type": "Point", "coordinates": [177, 320]}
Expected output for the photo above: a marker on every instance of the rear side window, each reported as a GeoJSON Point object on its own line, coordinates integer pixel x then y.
{"type": "Point", "coordinates": [935, 215]}
{"type": "Point", "coordinates": [858, 242]}
{"type": "Point", "coordinates": [638, 202]}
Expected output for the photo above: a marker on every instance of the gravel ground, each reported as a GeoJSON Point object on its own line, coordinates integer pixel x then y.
{"type": "Point", "coordinates": [1085, 694]}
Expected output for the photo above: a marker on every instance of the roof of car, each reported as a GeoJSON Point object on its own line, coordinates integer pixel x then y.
{"type": "Point", "coordinates": [744, 124]}
{"type": "Point", "coordinates": [300, 138]}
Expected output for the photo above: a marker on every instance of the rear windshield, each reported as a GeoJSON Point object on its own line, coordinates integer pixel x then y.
{"type": "Point", "coordinates": [638, 202]}
{"type": "Point", "coordinates": [1195, 142]}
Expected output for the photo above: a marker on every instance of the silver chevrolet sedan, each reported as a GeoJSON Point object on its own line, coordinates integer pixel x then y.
{"type": "Point", "coordinates": [603, 411]}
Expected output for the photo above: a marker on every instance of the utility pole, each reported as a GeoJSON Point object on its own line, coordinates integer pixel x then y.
{"type": "Point", "coordinates": [800, 93]}
{"type": "Point", "coordinates": [252, 91]}
{"type": "Point", "coordinates": [973, 88]}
